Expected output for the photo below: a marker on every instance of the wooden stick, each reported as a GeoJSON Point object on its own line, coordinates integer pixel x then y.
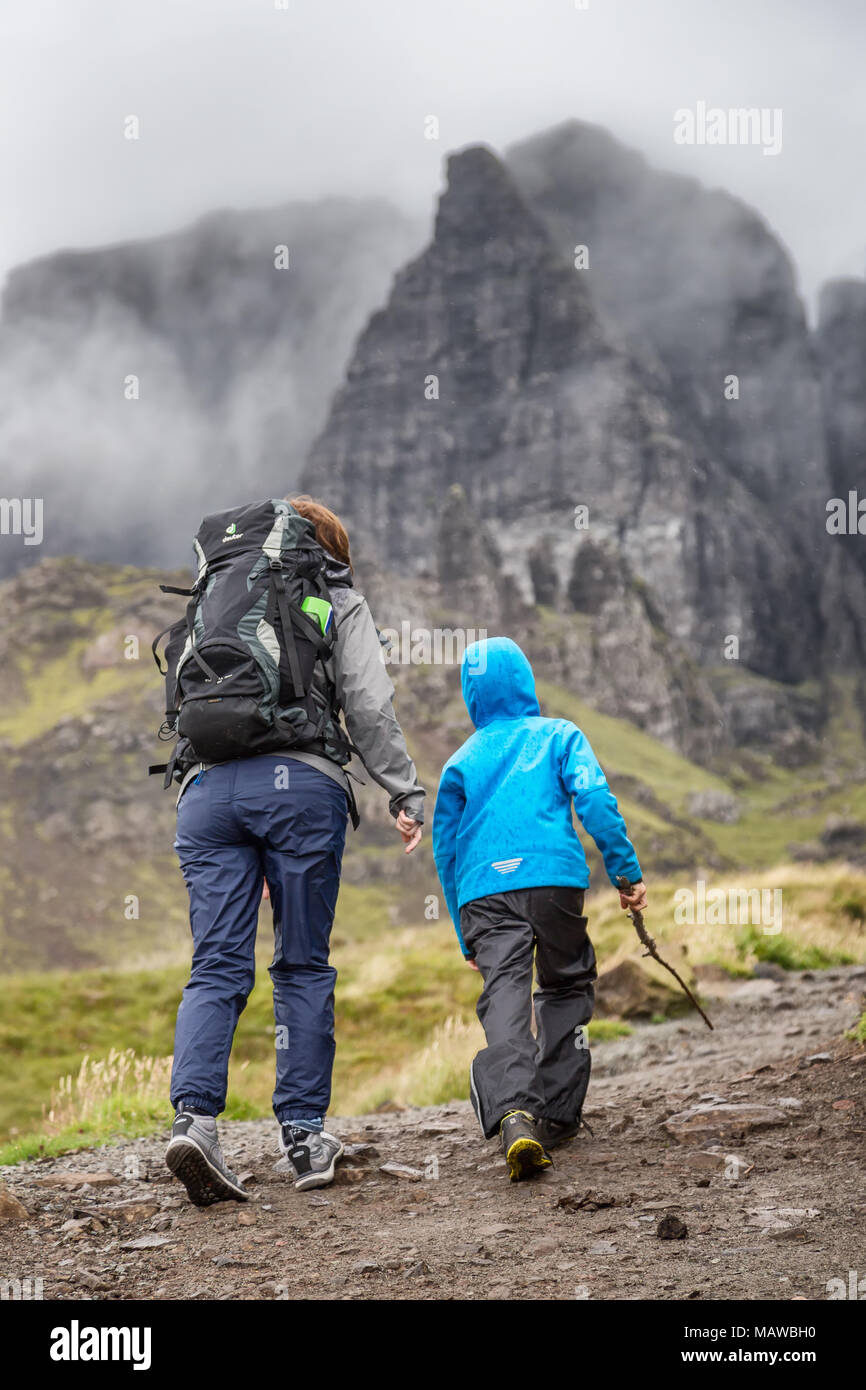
{"type": "Point", "coordinates": [651, 950]}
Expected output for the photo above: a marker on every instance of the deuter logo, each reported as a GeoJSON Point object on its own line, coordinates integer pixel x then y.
{"type": "Point", "coordinates": [506, 866]}
{"type": "Point", "coordinates": [232, 533]}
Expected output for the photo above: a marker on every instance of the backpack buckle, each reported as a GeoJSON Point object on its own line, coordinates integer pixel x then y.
{"type": "Point", "coordinates": [275, 564]}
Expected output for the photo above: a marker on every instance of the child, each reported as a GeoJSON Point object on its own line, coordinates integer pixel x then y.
{"type": "Point", "coordinates": [514, 874]}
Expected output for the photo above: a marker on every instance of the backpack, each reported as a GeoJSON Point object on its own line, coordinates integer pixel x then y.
{"type": "Point", "coordinates": [239, 666]}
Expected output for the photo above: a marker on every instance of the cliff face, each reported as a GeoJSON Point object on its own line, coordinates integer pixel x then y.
{"type": "Point", "coordinates": [841, 346]}
{"type": "Point", "coordinates": [543, 449]}
{"type": "Point", "coordinates": [695, 280]}
{"type": "Point", "coordinates": [473, 374]}
{"type": "Point", "coordinates": [235, 359]}
{"type": "Point", "coordinates": [497, 366]}
{"type": "Point", "coordinates": [695, 277]}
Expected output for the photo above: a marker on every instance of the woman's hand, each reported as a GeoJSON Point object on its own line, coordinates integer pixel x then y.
{"type": "Point", "coordinates": [473, 964]}
{"type": "Point", "coordinates": [410, 830]}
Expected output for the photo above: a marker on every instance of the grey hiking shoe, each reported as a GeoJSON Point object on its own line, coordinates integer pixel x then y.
{"type": "Point", "coordinates": [311, 1155]}
{"type": "Point", "coordinates": [195, 1157]}
{"type": "Point", "coordinates": [555, 1132]}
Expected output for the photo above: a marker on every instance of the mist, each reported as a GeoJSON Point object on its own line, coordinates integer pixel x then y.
{"type": "Point", "coordinates": [245, 104]}
{"type": "Point", "coordinates": [158, 368]}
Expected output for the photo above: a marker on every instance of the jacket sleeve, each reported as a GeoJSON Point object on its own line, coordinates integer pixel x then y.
{"type": "Point", "coordinates": [595, 805]}
{"type": "Point", "coordinates": [365, 692]}
{"type": "Point", "coordinates": [447, 814]}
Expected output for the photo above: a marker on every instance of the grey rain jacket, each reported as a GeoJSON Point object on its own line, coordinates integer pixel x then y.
{"type": "Point", "coordinates": [365, 693]}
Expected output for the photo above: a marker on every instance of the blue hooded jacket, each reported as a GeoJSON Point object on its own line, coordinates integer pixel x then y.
{"type": "Point", "coordinates": [502, 819]}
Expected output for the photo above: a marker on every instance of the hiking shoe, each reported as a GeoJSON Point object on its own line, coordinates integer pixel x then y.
{"type": "Point", "coordinates": [195, 1157]}
{"type": "Point", "coordinates": [311, 1155]}
{"type": "Point", "coordinates": [523, 1149]}
{"type": "Point", "coordinates": [554, 1132]}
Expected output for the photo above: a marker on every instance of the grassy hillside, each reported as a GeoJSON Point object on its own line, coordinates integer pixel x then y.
{"type": "Point", "coordinates": [779, 807]}
{"type": "Point", "coordinates": [87, 873]}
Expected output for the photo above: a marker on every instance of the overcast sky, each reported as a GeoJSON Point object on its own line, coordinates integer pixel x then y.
{"type": "Point", "coordinates": [242, 103]}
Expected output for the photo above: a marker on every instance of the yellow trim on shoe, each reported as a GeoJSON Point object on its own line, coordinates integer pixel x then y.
{"type": "Point", "coordinates": [525, 1157]}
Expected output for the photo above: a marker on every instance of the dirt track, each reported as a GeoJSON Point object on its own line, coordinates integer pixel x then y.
{"type": "Point", "coordinates": [773, 1213]}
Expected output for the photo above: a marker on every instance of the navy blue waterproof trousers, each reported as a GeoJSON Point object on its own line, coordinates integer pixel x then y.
{"type": "Point", "coordinates": [237, 824]}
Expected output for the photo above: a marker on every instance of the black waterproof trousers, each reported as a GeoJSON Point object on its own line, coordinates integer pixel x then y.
{"type": "Point", "coordinates": [546, 1075]}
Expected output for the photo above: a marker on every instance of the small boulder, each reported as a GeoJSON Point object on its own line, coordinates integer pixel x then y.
{"type": "Point", "coordinates": [705, 1161]}
{"type": "Point", "coordinates": [10, 1208]}
{"type": "Point", "coordinates": [629, 991]}
{"type": "Point", "coordinates": [100, 1177]}
{"type": "Point", "coordinates": [584, 1201]}
{"type": "Point", "coordinates": [131, 1212]}
{"type": "Point", "coordinates": [671, 1228]}
{"type": "Point", "coordinates": [843, 834]}
{"type": "Point", "coordinates": [714, 805]}
{"type": "Point", "coordinates": [704, 1124]}
{"type": "Point", "coordinates": [401, 1170]}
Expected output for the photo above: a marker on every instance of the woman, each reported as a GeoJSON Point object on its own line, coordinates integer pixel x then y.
{"type": "Point", "coordinates": [279, 819]}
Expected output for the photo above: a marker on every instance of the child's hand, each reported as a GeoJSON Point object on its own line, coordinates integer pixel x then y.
{"type": "Point", "coordinates": [636, 899]}
{"type": "Point", "coordinates": [473, 965]}
{"type": "Point", "coordinates": [410, 830]}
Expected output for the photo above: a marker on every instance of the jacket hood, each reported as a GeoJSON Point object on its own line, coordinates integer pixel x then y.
{"type": "Point", "coordinates": [336, 572]}
{"type": "Point", "coordinates": [497, 682]}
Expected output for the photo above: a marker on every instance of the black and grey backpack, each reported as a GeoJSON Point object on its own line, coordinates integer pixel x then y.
{"type": "Point", "coordinates": [239, 666]}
